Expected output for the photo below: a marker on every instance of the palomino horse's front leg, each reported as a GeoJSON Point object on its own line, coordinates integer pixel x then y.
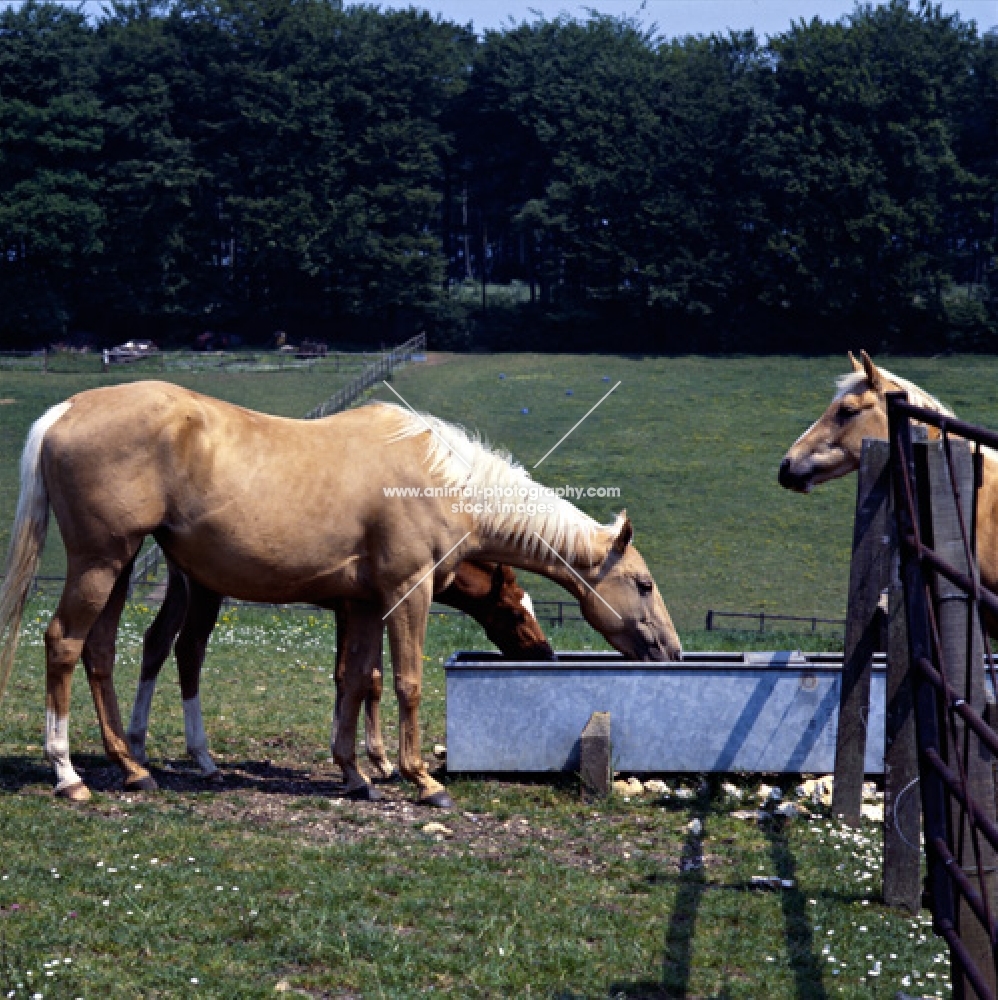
{"type": "Point", "coordinates": [383, 767]}
{"type": "Point", "coordinates": [406, 634]}
{"type": "Point", "coordinates": [358, 649]}
{"type": "Point", "coordinates": [156, 646]}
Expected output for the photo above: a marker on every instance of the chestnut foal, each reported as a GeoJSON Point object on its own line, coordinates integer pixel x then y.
{"type": "Point", "coordinates": [488, 592]}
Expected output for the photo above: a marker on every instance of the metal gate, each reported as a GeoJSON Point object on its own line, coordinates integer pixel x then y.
{"type": "Point", "coordinates": [937, 487]}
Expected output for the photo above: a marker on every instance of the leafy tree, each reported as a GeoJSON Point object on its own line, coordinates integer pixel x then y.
{"type": "Point", "coordinates": [51, 131]}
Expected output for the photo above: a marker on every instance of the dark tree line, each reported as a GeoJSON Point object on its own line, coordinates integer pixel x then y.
{"type": "Point", "coordinates": [253, 165]}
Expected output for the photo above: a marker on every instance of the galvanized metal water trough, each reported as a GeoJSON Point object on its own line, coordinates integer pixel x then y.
{"type": "Point", "coordinates": [723, 712]}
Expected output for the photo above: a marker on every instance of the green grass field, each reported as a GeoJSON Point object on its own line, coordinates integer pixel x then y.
{"type": "Point", "coordinates": [272, 884]}
{"type": "Point", "coordinates": [693, 444]}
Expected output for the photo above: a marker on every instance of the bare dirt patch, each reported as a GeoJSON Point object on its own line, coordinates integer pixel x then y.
{"type": "Point", "coordinates": [308, 803]}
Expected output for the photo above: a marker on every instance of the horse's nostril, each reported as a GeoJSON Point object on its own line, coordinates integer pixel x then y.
{"type": "Point", "coordinates": [787, 478]}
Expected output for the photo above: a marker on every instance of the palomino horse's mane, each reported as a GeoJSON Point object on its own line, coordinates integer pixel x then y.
{"type": "Point", "coordinates": [461, 461]}
{"type": "Point", "coordinates": [916, 396]}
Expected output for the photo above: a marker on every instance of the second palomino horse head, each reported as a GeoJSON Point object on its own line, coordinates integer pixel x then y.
{"type": "Point", "coordinates": [268, 509]}
{"type": "Point", "coordinates": [832, 445]}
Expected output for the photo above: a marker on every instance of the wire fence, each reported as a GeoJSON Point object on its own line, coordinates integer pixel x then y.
{"type": "Point", "coordinates": [715, 620]}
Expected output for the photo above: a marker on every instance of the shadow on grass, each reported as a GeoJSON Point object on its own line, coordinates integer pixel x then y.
{"type": "Point", "coordinates": [679, 937]}
{"type": "Point", "coordinates": [18, 773]}
{"type": "Point", "coordinates": [682, 923]}
{"type": "Point", "coordinates": [804, 961]}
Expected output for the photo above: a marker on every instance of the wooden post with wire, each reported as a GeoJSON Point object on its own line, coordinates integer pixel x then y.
{"type": "Point", "coordinates": [869, 576]}
{"type": "Point", "coordinates": [876, 619]}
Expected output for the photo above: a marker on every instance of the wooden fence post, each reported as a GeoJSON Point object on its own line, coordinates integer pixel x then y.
{"type": "Point", "coordinates": [869, 576]}
{"type": "Point", "coordinates": [962, 660]}
{"type": "Point", "coordinates": [594, 755]}
{"type": "Point", "coordinates": [902, 877]}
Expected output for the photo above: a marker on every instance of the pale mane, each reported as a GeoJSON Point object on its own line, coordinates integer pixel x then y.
{"type": "Point", "coordinates": [456, 459]}
{"type": "Point", "coordinates": [916, 396]}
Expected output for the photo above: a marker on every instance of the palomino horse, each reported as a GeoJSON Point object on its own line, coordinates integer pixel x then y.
{"type": "Point", "coordinates": [831, 448]}
{"type": "Point", "coordinates": [488, 592]}
{"type": "Point", "coordinates": [274, 510]}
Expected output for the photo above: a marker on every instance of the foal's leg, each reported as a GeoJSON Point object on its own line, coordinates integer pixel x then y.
{"type": "Point", "coordinates": [383, 767]}
{"type": "Point", "coordinates": [191, 646]}
{"type": "Point", "coordinates": [358, 643]}
{"type": "Point", "coordinates": [406, 634]}
{"type": "Point", "coordinates": [156, 646]}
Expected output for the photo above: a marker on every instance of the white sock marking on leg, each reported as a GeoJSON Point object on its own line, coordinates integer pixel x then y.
{"type": "Point", "coordinates": [197, 740]}
{"type": "Point", "coordinates": [57, 750]}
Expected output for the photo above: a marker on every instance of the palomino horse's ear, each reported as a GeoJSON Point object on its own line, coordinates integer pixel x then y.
{"type": "Point", "coordinates": [856, 365]}
{"type": "Point", "coordinates": [872, 375]}
{"type": "Point", "coordinates": [626, 534]}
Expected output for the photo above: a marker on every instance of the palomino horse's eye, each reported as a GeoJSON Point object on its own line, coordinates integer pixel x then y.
{"type": "Point", "coordinates": [645, 586]}
{"type": "Point", "coordinates": [847, 412]}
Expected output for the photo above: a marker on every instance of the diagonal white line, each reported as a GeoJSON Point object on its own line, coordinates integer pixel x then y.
{"type": "Point", "coordinates": [429, 571]}
{"type": "Point", "coordinates": [572, 568]}
{"type": "Point", "coordinates": [443, 442]}
{"type": "Point", "coordinates": [571, 431]}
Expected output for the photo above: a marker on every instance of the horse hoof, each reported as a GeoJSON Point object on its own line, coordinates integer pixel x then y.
{"type": "Point", "coordinates": [146, 784]}
{"type": "Point", "coordinates": [215, 778]}
{"type": "Point", "coordinates": [439, 800]}
{"type": "Point", "coordinates": [364, 793]}
{"type": "Point", "coordinates": [77, 792]}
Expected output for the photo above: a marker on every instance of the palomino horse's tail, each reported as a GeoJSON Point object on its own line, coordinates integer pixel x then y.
{"type": "Point", "coordinates": [27, 536]}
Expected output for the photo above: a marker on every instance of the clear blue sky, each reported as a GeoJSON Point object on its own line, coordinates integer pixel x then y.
{"type": "Point", "coordinates": [672, 17]}
{"type": "Point", "coordinates": [678, 17]}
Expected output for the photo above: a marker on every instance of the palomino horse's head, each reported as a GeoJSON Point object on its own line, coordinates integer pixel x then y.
{"type": "Point", "coordinates": [626, 607]}
{"type": "Point", "coordinates": [831, 446]}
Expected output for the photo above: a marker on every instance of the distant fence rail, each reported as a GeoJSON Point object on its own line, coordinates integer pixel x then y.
{"type": "Point", "coordinates": [762, 617]}
{"type": "Point", "coordinates": [231, 362]}
{"type": "Point", "coordinates": [381, 369]}
{"type": "Point", "coordinates": [145, 578]}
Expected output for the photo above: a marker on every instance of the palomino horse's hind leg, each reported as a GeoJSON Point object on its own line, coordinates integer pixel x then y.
{"type": "Point", "coordinates": [83, 601]}
{"type": "Point", "coordinates": [358, 644]}
{"type": "Point", "coordinates": [98, 658]}
{"type": "Point", "coordinates": [383, 767]}
{"type": "Point", "coordinates": [190, 648]}
{"type": "Point", "coordinates": [156, 646]}
{"type": "Point", "coordinates": [406, 634]}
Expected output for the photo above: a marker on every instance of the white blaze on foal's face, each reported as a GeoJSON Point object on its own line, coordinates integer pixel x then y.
{"type": "Point", "coordinates": [527, 604]}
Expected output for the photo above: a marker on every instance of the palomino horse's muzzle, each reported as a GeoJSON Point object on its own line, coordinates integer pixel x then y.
{"type": "Point", "coordinates": [791, 479]}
